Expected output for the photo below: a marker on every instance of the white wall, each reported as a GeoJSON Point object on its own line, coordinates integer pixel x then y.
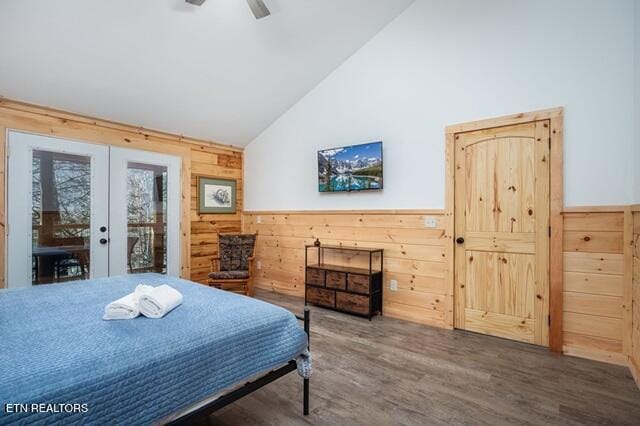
{"type": "Point", "coordinates": [448, 61]}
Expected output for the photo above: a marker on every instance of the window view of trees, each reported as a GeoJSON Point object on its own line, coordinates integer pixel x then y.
{"type": "Point", "coordinates": [61, 217]}
{"type": "Point", "coordinates": [68, 199]}
{"type": "Point", "coordinates": [147, 207]}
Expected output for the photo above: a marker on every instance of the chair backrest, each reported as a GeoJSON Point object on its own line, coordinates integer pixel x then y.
{"type": "Point", "coordinates": [235, 251]}
{"type": "Point", "coordinates": [131, 243]}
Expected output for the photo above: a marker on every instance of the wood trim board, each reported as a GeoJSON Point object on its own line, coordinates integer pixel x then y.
{"type": "Point", "coordinates": [449, 213]}
{"type": "Point", "coordinates": [627, 295]}
{"type": "Point", "coordinates": [594, 209]}
{"type": "Point", "coordinates": [556, 222]}
{"type": "Point", "coordinates": [506, 120]}
{"type": "Point", "coordinates": [339, 212]}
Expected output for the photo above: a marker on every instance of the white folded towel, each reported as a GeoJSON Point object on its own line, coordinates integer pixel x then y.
{"type": "Point", "coordinates": [126, 307]}
{"type": "Point", "coordinates": [159, 301]}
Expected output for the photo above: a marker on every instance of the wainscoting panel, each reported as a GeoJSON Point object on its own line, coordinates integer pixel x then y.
{"type": "Point", "coordinates": [594, 285]}
{"type": "Point", "coordinates": [415, 256]}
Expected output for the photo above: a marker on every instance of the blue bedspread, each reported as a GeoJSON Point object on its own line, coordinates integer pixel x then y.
{"type": "Point", "coordinates": [55, 348]}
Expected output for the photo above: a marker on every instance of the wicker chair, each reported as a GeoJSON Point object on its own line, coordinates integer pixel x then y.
{"type": "Point", "coordinates": [232, 270]}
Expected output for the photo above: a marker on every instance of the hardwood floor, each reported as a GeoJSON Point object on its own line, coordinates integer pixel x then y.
{"type": "Point", "coordinates": [390, 372]}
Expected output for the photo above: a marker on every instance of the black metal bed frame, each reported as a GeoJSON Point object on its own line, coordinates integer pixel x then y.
{"type": "Point", "coordinates": [250, 387]}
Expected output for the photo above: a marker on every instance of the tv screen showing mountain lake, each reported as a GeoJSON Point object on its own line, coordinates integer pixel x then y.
{"type": "Point", "coordinates": [351, 168]}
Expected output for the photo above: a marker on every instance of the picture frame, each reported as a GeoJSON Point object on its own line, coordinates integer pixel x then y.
{"type": "Point", "coordinates": [216, 196]}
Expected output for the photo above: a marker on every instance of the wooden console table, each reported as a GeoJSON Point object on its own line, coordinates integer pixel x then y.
{"type": "Point", "coordinates": [344, 288]}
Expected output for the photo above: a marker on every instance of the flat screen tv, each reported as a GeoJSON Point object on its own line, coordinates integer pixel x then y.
{"type": "Point", "coordinates": [350, 168]}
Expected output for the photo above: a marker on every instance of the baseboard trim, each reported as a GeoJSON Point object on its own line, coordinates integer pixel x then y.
{"type": "Point", "coordinates": [635, 371]}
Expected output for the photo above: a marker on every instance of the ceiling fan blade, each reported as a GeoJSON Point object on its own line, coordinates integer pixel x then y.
{"type": "Point", "coordinates": [196, 2]}
{"type": "Point", "coordinates": [258, 8]}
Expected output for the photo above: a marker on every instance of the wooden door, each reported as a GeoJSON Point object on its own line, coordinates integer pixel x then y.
{"type": "Point", "coordinates": [502, 232]}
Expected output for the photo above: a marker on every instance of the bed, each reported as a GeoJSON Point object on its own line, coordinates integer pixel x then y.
{"type": "Point", "coordinates": [211, 350]}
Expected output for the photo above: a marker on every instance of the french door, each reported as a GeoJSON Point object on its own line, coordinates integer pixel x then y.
{"type": "Point", "coordinates": [80, 210]}
{"type": "Point", "coordinates": [144, 212]}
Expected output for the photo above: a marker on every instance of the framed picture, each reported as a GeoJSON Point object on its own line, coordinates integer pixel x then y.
{"type": "Point", "coordinates": [216, 195]}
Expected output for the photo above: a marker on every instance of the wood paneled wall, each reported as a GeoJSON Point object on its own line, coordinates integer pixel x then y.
{"type": "Point", "coordinates": [416, 256]}
{"type": "Point", "coordinates": [597, 292]}
{"type": "Point", "coordinates": [198, 232]}
{"type": "Point", "coordinates": [594, 285]}
{"type": "Point", "coordinates": [212, 162]}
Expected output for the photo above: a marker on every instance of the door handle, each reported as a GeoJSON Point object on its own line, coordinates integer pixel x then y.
{"type": "Point", "coordinates": [103, 241]}
{"type": "Point", "coordinates": [460, 240]}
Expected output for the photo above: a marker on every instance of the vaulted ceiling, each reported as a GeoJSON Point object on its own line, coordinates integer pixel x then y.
{"type": "Point", "coordinates": [212, 72]}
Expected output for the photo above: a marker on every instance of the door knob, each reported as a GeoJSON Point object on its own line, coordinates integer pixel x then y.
{"type": "Point", "coordinates": [460, 240]}
{"type": "Point", "coordinates": [103, 241]}
{"type": "Point", "coordinates": [103, 229]}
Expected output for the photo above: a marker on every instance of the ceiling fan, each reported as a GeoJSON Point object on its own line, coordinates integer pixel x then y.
{"type": "Point", "coordinates": [257, 7]}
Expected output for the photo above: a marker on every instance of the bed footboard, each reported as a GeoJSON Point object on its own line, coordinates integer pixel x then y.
{"type": "Point", "coordinates": [305, 391]}
{"type": "Point", "coordinates": [250, 387]}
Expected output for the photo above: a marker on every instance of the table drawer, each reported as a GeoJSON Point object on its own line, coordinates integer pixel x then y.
{"type": "Point", "coordinates": [320, 296]}
{"type": "Point", "coordinates": [315, 276]}
{"type": "Point", "coordinates": [358, 283]}
{"type": "Point", "coordinates": [352, 303]}
{"type": "Point", "coordinates": [336, 280]}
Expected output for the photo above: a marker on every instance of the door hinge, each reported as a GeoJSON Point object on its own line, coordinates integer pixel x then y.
{"type": "Point", "coordinates": [549, 320]}
{"type": "Point", "coordinates": [549, 232]}
{"type": "Point", "coordinates": [549, 143]}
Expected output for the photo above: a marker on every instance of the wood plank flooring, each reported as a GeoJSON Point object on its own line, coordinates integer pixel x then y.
{"type": "Point", "coordinates": [392, 372]}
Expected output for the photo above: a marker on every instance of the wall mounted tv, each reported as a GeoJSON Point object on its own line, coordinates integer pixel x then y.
{"type": "Point", "coordinates": [350, 168]}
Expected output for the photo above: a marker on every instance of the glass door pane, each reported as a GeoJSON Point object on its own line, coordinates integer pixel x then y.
{"type": "Point", "coordinates": [147, 218]}
{"type": "Point", "coordinates": [61, 216]}
{"type": "Point", "coordinates": [144, 212]}
{"type": "Point", "coordinates": [57, 207]}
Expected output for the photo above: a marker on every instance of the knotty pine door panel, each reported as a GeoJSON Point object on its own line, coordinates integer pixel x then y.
{"type": "Point", "coordinates": [502, 232]}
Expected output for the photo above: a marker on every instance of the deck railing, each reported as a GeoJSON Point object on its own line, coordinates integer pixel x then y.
{"type": "Point", "coordinates": [148, 254]}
